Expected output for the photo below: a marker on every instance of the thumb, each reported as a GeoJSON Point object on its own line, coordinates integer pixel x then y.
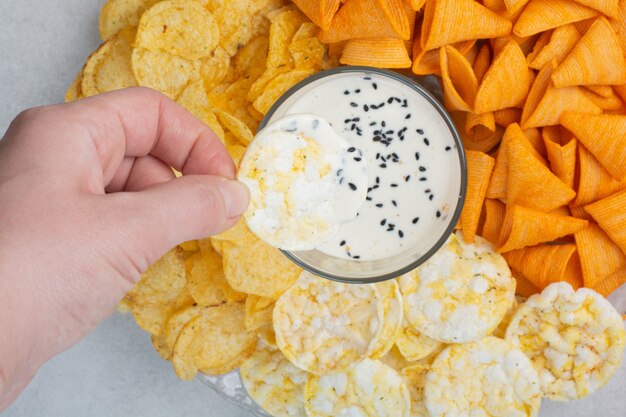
{"type": "Point", "coordinates": [186, 208]}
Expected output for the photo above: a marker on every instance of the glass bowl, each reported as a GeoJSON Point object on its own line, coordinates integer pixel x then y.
{"type": "Point", "coordinates": [364, 271]}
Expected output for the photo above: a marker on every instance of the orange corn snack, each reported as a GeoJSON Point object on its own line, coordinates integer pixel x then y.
{"type": "Point", "coordinates": [479, 138]}
{"type": "Point", "coordinates": [607, 7]}
{"type": "Point", "coordinates": [579, 212]}
{"type": "Point", "coordinates": [596, 59]}
{"type": "Point", "coordinates": [482, 61]}
{"type": "Point", "coordinates": [508, 116]}
{"type": "Point", "coordinates": [610, 213]}
{"type": "Point", "coordinates": [594, 181]}
{"type": "Point", "coordinates": [534, 137]}
{"type": "Point", "coordinates": [553, 46]}
{"type": "Point", "coordinates": [459, 81]}
{"type": "Point", "coordinates": [524, 226]}
{"type": "Point", "coordinates": [427, 61]}
{"type": "Point", "coordinates": [506, 83]}
{"type": "Point", "coordinates": [530, 183]}
{"type": "Point", "coordinates": [545, 264]}
{"type": "Point", "coordinates": [495, 211]}
{"type": "Point", "coordinates": [599, 256]}
{"type": "Point", "coordinates": [368, 19]}
{"type": "Point", "coordinates": [416, 4]}
{"type": "Point", "coordinates": [611, 282]}
{"type": "Point", "coordinates": [513, 6]}
{"type": "Point", "coordinates": [523, 287]}
{"type": "Point", "coordinates": [619, 23]}
{"type": "Point", "coordinates": [376, 52]}
{"type": "Point", "coordinates": [321, 12]}
{"type": "Point", "coordinates": [601, 90]}
{"type": "Point", "coordinates": [541, 15]}
{"type": "Point", "coordinates": [611, 102]}
{"type": "Point", "coordinates": [450, 21]}
{"type": "Point", "coordinates": [562, 157]}
{"type": "Point", "coordinates": [479, 167]}
{"type": "Point", "coordinates": [545, 103]}
{"type": "Point", "coordinates": [603, 135]}
{"type": "Point", "coordinates": [474, 122]}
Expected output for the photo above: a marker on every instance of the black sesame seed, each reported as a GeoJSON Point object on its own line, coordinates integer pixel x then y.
{"type": "Point", "coordinates": [343, 242]}
{"type": "Point", "coordinates": [427, 191]}
{"type": "Point", "coordinates": [346, 92]}
{"type": "Point", "coordinates": [373, 124]}
{"type": "Point", "coordinates": [383, 165]}
{"type": "Point", "coordinates": [400, 233]}
{"type": "Point", "coordinates": [394, 203]}
{"type": "Point", "coordinates": [393, 185]}
{"type": "Point", "coordinates": [351, 149]}
{"type": "Point", "coordinates": [448, 148]}
{"type": "Point", "coordinates": [426, 141]}
{"type": "Point", "coordinates": [422, 169]}
{"type": "Point", "coordinates": [422, 178]}
{"type": "Point", "coordinates": [353, 104]}
{"type": "Point", "coordinates": [376, 186]}
{"type": "Point", "coordinates": [390, 100]}
{"type": "Point", "coordinates": [358, 90]}
{"type": "Point", "coordinates": [353, 126]}
{"type": "Point", "coordinates": [420, 131]}
{"type": "Point", "coordinates": [374, 86]}
{"type": "Point", "coordinates": [383, 221]}
{"type": "Point", "coordinates": [438, 214]}
{"type": "Point", "coordinates": [405, 103]}
{"type": "Point", "coordinates": [366, 107]}
{"type": "Point", "coordinates": [340, 171]}
{"type": "Point", "coordinates": [347, 120]}
{"type": "Point", "coordinates": [383, 124]}
{"type": "Point", "coordinates": [417, 156]}
{"type": "Point", "coordinates": [341, 180]}
{"type": "Point", "coordinates": [379, 205]}
{"type": "Point", "coordinates": [407, 178]}
{"type": "Point", "coordinates": [430, 197]}
{"type": "Point", "coordinates": [377, 155]}
{"type": "Point", "coordinates": [352, 186]}
{"type": "Point", "coordinates": [368, 198]}
{"type": "Point", "coordinates": [356, 158]}
{"type": "Point", "coordinates": [377, 180]}
{"type": "Point", "coordinates": [408, 116]}
{"type": "Point", "coordinates": [415, 220]}
{"type": "Point", "coordinates": [357, 256]}
{"type": "Point", "coordinates": [376, 138]}
{"type": "Point", "coordinates": [367, 78]}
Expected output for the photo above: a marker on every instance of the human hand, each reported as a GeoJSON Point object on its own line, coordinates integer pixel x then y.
{"type": "Point", "coordinates": [88, 201]}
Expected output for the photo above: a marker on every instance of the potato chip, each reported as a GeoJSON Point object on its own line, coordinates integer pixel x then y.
{"type": "Point", "coordinates": [258, 312]}
{"type": "Point", "coordinates": [116, 15]}
{"type": "Point", "coordinates": [274, 383]}
{"type": "Point", "coordinates": [454, 297]}
{"type": "Point", "coordinates": [194, 99]}
{"type": "Point", "coordinates": [524, 226]}
{"type": "Point", "coordinates": [369, 389]}
{"type": "Point", "coordinates": [392, 317]}
{"type": "Point", "coordinates": [258, 269]}
{"type": "Point", "coordinates": [166, 73]}
{"type": "Point", "coordinates": [277, 87]}
{"type": "Point", "coordinates": [611, 217]}
{"type": "Point", "coordinates": [235, 21]}
{"type": "Point", "coordinates": [553, 46]}
{"type": "Point", "coordinates": [162, 282]}
{"type": "Point", "coordinates": [506, 117]}
{"type": "Point", "coordinates": [250, 60]}
{"type": "Point", "coordinates": [544, 264]}
{"type": "Point", "coordinates": [490, 377]}
{"type": "Point", "coordinates": [506, 83]}
{"type": "Point", "coordinates": [215, 342]}
{"type": "Point", "coordinates": [459, 81]}
{"type": "Point", "coordinates": [214, 68]}
{"type": "Point", "coordinates": [541, 15]}
{"type": "Point", "coordinates": [376, 52]}
{"type": "Point", "coordinates": [206, 281]}
{"type": "Point", "coordinates": [164, 343]}
{"type": "Point", "coordinates": [178, 27]}
{"type": "Point", "coordinates": [414, 345]}
{"type": "Point", "coordinates": [611, 150]}
{"type": "Point", "coordinates": [320, 12]}
{"type": "Point", "coordinates": [611, 282]}
{"type": "Point", "coordinates": [74, 91]}
{"type": "Point", "coordinates": [153, 316]}
{"type": "Point", "coordinates": [599, 256]}
{"type": "Point", "coordinates": [236, 126]}
{"type": "Point", "coordinates": [587, 64]}
{"type": "Point", "coordinates": [594, 182]}
{"type": "Point", "coordinates": [109, 67]}
{"type": "Point", "coordinates": [479, 168]}
{"type": "Point", "coordinates": [546, 103]}
{"type": "Point", "coordinates": [239, 234]}
{"type": "Point", "coordinates": [308, 52]}
{"type": "Point", "coordinates": [495, 212]}
{"type": "Point", "coordinates": [562, 157]}
{"type": "Point", "coordinates": [450, 21]}
{"type": "Point", "coordinates": [368, 19]}
{"type": "Point", "coordinates": [325, 326]}
{"type": "Point", "coordinates": [575, 340]}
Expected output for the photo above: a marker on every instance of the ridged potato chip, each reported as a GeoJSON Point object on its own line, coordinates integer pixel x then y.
{"type": "Point", "coordinates": [369, 389]}
{"type": "Point", "coordinates": [116, 15]}
{"type": "Point", "coordinates": [153, 316]}
{"type": "Point", "coordinates": [74, 91]}
{"type": "Point", "coordinates": [460, 294]}
{"type": "Point", "coordinates": [195, 100]}
{"type": "Point", "coordinates": [487, 377]}
{"type": "Point", "coordinates": [274, 382]}
{"type": "Point", "coordinates": [161, 71]}
{"type": "Point", "coordinates": [325, 326]}
{"type": "Point", "coordinates": [235, 20]}
{"type": "Point", "coordinates": [278, 86]}
{"type": "Point", "coordinates": [259, 311]}
{"type": "Point", "coordinates": [162, 282]}
{"type": "Point", "coordinates": [575, 340]}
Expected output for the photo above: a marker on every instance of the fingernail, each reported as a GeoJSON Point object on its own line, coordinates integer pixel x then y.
{"type": "Point", "coordinates": [236, 197]}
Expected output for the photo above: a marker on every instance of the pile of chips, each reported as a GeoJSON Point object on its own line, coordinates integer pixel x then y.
{"type": "Point", "coordinates": [537, 89]}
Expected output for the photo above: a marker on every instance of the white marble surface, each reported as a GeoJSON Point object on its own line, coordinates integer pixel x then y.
{"type": "Point", "coordinates": [115, 371]}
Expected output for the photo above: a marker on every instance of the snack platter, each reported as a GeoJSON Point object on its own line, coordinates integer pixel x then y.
{"type": "Point", "coordinates": [507, 312]}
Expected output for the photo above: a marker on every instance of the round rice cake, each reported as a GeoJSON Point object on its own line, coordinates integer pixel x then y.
{"type": "Point", "coordinates": [305, 181]}
{"type": "Point", "coordinates": [325, 326]}
{"type": "Point", "coordinates": [490, 378]}
{"type": "Point", "coordinates": [274, 382]}
{"type": "Point", "coordinates": [392, 317]}
{"type": "Point", "coordinates": [369, 389]}
{"type": "Point", "coordinates": [461, 293]}
{"type": "Point", "coordinates": [414, 345]}
{"type": "Point", "coordinates": [575, 339]}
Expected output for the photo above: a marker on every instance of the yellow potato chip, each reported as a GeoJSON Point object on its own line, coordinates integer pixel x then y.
{"type": "Point", "coordinates": [599, 256]}
{"type": "Point", "coordinates": [611, 148]}
{"type": "Point", "coordinates": [320, 12]}
{"type": "Point", "coordinates": [116, 15]}
{"type": "Point", "coordinates": [284, 26]}
{"type": "Point", "coordinates": [236, 126]}
{"type": "Point", "coordinates": [109, 67]}
{"type": "Point", "coordinates": [553, 45]}
{"type": "Point", "coordinates": [239, 234]}
{"type": "Point", "coordinates": [250, 60]}
{"type": "Point", "coordinates": [214, 68]}
{"type": "Point", "coordinates": [368, 19]}
{"type": "Point", "coordinates": [594, 181]}
{"type": "Point", "coordinates": [459, 81]}
{"type": "Point", "coordinates": [450, 21]}
{"type": "Point", "coordinates": [541, 15]}
{"type": "Point", "coordinates": [524, 226]}
{"type": "Point", "coordinates": [178, 27]}
{"type": "Point", "coordinates": [258, 269]}
{"type": "Point", "coordinates": [308, 52]}
{"type": "Point", "coordinates": [587, 64]}
{"type": "Point", "coordinates": [376, 52]}
{"type": "Point", "coordinates": [258, 312]}
{"type": "Point", "coordinates": [153, 316]}
{"type": "Point", "coordinates": [277, 87]}
{"type": "Point", "coordinates": [74, 91]}
{"type": "Point", "coordinates": [206, 281]}
{"type": "Point", "coordinates": [235, 21]}
{"type": "Point", "coordinates": [611, 217]}
{"type": "Point", "coordinates": [506, 83]}
{"type": "Point", "coordinates": [545, 264]}
{"type": "Point", "coordinates": [162, 282]}
{"type": "Point", "coordinates": [546, 103]}
{"type": "Point", "coordinates": [161, 71]}
{"type": "Point", "coordinates": [194, 99]}
{"type": "Point", "coordinates": [479, 168]}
